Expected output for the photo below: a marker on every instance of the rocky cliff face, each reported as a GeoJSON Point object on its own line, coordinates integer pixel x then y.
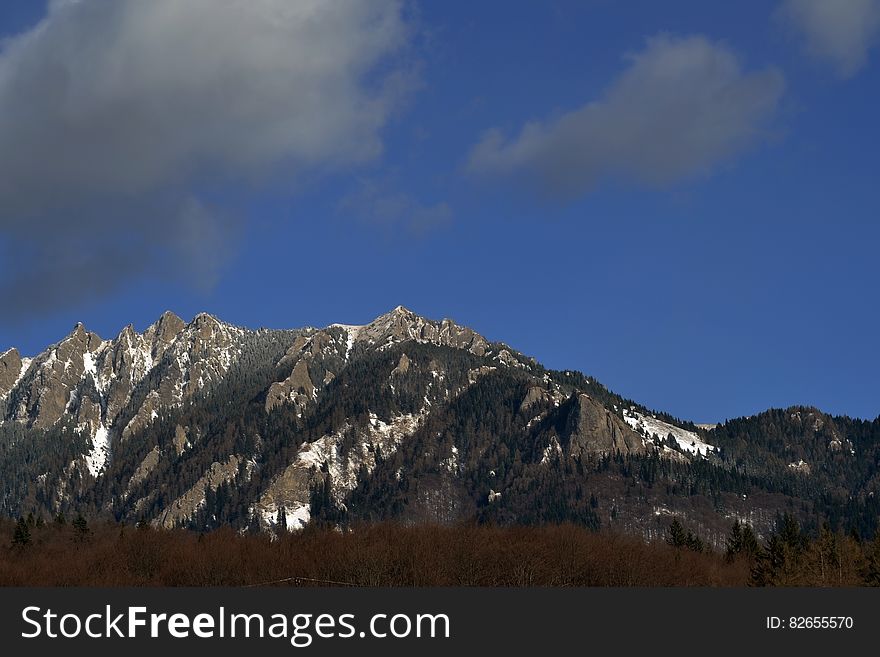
{"type": "Point", "coordinates": [11, 370]}
{"type": "Point", "coordinates": [185, 360]}
{"type": "Point", "coordinates": [593, 430]}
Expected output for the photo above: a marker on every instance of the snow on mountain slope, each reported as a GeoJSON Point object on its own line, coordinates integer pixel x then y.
{"type": "Point", "coordinates": [649, 426]}
{"type": "Point", "coordinates": [97, 458]}
{"type": "Point", "coordinates": [292, 488]}
{"type": "Point", "coordinates": [351, 332]}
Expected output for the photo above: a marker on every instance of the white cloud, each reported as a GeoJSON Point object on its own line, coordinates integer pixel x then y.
{"type": "Point", "coordinates": [841, 32]}
{"type": "Point", "coordinates": [681, 107]}
{"type": "Point", "coordinates": [135, 104]}
{"type": "Point", "coordinates": [379, 203]}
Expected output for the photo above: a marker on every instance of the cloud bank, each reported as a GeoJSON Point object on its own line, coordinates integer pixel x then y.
{"type": "Point", "coordinates": [841, 33]}
{"type": "Point", "coordinates": [118, 117]}
{"type": "Point", "coordinates": [682, 107]}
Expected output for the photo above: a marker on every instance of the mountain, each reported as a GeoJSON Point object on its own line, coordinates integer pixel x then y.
{"type": "Point", "coordinates": [202, 424]}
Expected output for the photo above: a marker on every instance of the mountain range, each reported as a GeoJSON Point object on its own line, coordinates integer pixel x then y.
{"type": "Point", "coordinates": [204, 424]}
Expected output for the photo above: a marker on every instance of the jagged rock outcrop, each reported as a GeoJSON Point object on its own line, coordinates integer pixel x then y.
{"type": "Point", "coordinates": [317, 359]}
{"type": "Point", "coordinates": [594, 430]}
{"type": "Point", "coordinates": [402, 324]}
{"type": "Point", "coordinates": [297, 388]}
{"type": "Point", "coordinates": [151, 460]}
{"type": "Point", "coordinates": [181, 440]}
{"type": "Point", "coordinates": [85, 366]}
{"type": "Point", "coordinates": [320, 353]}
{"type": "Point", "coordinates": [188, 359]}
{"type": "Point", "coordinates": [132, 356]}
{"type": "Point", "coordinates": [533, 396]}
{"type": "Point", "coordinates": [402, 365]}
{"type": "Point", "coordinates": [54, 379]}
{"type": "Point", "coordinates": [182, 509]}
{"type": "Point", "coordinates": [10, 369]}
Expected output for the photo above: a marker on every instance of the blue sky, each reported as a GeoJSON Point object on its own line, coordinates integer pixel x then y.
{"type": "Point", "coordinates": [692, 217]}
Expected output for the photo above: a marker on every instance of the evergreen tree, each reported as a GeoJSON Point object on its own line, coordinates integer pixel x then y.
{"type": "Point", "coordinates": [828, 554]}
{"type": "Point", "coordinates": [254, 524]}
{"type": "Point", "coordinates": [734, 543]}
{"type": "Point", "coordinates": [769, 563]}
{"type": "Point", "coordinates": [750, 545]}
{"type": "Point", "coordinates": [676, 535]}
{"type": "Point", "coordinates": [791, 535]}
{"type": "Point", "coordinates": [694, 542]}
{"type": "Point", "coordinates": [22, 534]}
{"type": "Point", "coordinates": [81, 527]}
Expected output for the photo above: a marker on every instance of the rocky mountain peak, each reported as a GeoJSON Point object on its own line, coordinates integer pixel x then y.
{"type": "Point", "coordinates": [400, 313]}
{"type": "Point", "coordinates": [204, 326]}
{"type": "Point", "coordinates": [204, 318]}
{"type": "Point", "coordinates": [82, 338]}
{"type": "Point", "coordinates": [48, 389]}
{"type": "Point", "coordinates": [165, 329]}
{"type": "Point", "coordinates": [127, 334]}
{"type": "Point", "coordinates": [401, 324]}
{"type": "Point", "coordinates": [169, 316]}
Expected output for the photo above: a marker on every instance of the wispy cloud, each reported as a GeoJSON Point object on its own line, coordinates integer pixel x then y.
{"type": "Point", "coordinates": [680, 108]}
{"type": "Point", "coordinates": [841, 33]}
{"type": "Point", "coordinates": [380, 203]}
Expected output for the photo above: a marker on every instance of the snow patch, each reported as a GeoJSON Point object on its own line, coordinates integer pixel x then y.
{"type": "Point", "coordinates": [344, 469]}
{"type": "Point", "coordinates": [801, 466]}
{"type": "Point", "coordinates": [352, 331]}
{"type": "Point", "coordinates": [648, 426]}
{"type": "Point", "coordinates": [72, 398]}
{"type": "Point", "coordinates": [89, 364]}
{"type": "Point", "coordinates": [450, 463]}
{"type": "Point", "coordinates": [97, 458]}
{"type": "Point", "coordinates": [552, 448]}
